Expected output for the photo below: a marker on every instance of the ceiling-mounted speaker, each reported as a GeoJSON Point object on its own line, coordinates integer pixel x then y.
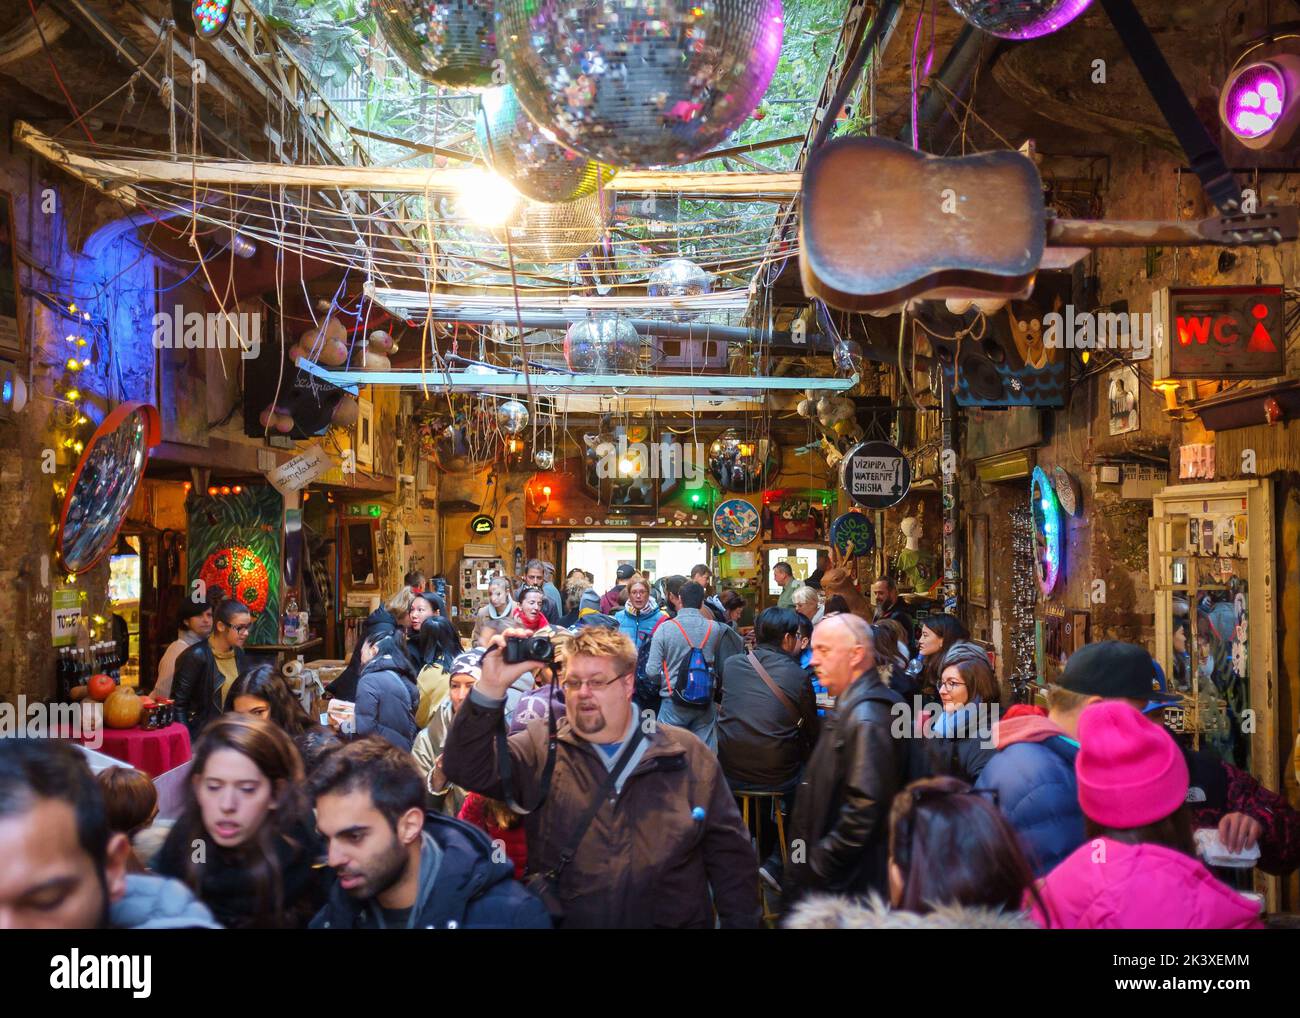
{"type": "Point", "coordinates": [980, 375]}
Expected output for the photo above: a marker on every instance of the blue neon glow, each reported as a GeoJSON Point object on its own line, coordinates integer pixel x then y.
{"type": "Point", "coordinates": [7, 391]}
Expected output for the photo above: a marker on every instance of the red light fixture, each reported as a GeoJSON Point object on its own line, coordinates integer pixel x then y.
{"type": "Point", "coordinates": [213, 491]}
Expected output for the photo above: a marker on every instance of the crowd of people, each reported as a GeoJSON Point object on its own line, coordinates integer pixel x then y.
{"type": "Point", "coordinates": [595, 782]}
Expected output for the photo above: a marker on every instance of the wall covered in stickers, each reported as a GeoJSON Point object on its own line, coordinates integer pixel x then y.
{"type": "Point", "coordinates": [236, 542]}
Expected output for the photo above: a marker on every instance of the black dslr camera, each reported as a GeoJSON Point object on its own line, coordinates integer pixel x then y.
{"type": "Point", "coordinates": [519, 649]}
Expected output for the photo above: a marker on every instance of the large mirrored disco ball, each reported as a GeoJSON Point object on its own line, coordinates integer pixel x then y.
{"type": "Point", "coordinates": [547, 233]}
{"type": "Point", "coordinates": [602, 345]}
{"type": "Point", "coordinates": [679, 277]}
{"type": "Point", "coordinates": [637, 83]}
{"type": "Point", "coordinates": [512, 416]}
{"type": "Point", "coordinates": [1019, 19]}
{"type": "Point", "coordinates": [449, 42]}
{"type": "Point", "coordinates": [528, 156]}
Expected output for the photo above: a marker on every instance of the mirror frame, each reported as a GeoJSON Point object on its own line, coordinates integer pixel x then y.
{"type": "Point", "coordinates": [110, 424]}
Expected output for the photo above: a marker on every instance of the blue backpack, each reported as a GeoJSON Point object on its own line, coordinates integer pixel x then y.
{"type": "Point", "coordinates": [694, 685]}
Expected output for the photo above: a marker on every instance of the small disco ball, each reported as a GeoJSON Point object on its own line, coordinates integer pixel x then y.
{"type": "Point", "coordinates": [847, 355]}
{"type": "Point", "coordinates": [529, 157]}
{"type": "Point", "coordinates": [679, 277]}
{"type": "Point", "coordinates": [1019, 19]}
{"type": "Point", "coordinates": [741, 462]}
{"type": "Point", "coordinates": [637, 83]}
{"type": "Point", "coordinates": [547, 233]}
{"type": "Point", "coordinates": [448, 42]}
{"type": "Point", "coordinates": [512, 416]}
{"type": "Point", "coordinates": [544, 459]}
{"type": "Point", "coordinates": [602, 345]}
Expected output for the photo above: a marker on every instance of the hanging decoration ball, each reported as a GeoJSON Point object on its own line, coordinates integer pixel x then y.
{"type": "Point", "coordinates": [549, 233]}
{"type": "Point", "coordinates": [544, 459]}
{"type": "Point", "coordinates": [448, 42]}
{"type": "Point", "coordinates": [639, 83]}
{"type": "Point", "coordinates": [848, 355]}
{"type": "Point", "coordinates": [380, 341]}
{"type": "Point", "coordinates": [346, 412]}
{"type": "Point", "coordinates": [602, 345]}
{"type": "Point", "coordinates": [512, 416]}
{"type": "Point", "coordinates": [1019, 19]}
{"type": "Point", "coordinates": [679, 277]}
{"type": "Point", "coordinates": [528, 156]}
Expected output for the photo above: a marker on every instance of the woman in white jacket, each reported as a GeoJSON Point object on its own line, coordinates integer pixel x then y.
{"type": "Point", "coordinates": [501, 605]}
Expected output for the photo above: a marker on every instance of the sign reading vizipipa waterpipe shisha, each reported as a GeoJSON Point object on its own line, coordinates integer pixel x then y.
{"type": "Point", "coordinates": [876, 475]}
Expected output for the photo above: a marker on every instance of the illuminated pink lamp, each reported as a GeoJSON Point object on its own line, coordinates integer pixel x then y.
{"type": "Point", "coordinates": [1257, 103]}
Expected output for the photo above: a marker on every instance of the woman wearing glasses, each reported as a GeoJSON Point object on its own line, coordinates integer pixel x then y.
{"type": "Point", "coordinates": [205, 672]}
{"type": "Point", "coordinates": [962, 731]}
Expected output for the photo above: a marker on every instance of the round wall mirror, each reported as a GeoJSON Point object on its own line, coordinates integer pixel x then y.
{"type": "Point", "coordinates": [105, 484]}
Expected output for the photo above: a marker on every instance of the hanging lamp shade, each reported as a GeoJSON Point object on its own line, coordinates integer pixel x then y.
{"type": "Point", "coordinates": [637, 83]}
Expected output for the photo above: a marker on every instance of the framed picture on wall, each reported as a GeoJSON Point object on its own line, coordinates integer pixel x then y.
{"type": "Point", "coordinates": [365, 443]}
{"type": "Point", "coordinates": [11, 310]}
{"type": "Point", "coordinates": [977, 560]}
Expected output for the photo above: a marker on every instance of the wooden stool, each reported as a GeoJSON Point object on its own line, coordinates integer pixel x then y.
{"type": "Point", "coordinates": [756, 800]}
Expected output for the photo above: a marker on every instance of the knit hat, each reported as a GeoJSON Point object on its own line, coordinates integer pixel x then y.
{"type": "Point", "coordinates": [469, 663]}
{"type": "Point", "coordinates": [1130, 770]}
{"type": "Point", "coordinates": [1115, 670]}
{"type": "Point", "coordinates": [964, 651]}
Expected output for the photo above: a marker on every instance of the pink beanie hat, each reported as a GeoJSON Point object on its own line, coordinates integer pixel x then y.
{"type": "Point", "coordinates": [1130, 770]}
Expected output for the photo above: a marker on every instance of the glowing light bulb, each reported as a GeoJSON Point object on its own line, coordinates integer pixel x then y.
{"type": "Point", "coordinates": [73, 364]}
{"type": "Point", "coordinates": [546, 490]}
{"type": "Point", "coordinates": [73, 394]}
{"type": "Point", "coordinates": [486, 198]}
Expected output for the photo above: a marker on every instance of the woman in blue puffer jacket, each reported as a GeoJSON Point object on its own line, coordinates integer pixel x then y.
{"type": "Point", "coordinates": [387, 696]}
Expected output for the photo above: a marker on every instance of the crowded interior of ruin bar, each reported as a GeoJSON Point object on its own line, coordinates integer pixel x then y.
{"type": "Point", "coordinates": [651, 464]}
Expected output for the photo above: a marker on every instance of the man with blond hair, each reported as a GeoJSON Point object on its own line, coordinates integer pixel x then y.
{"type": "Point", "coordinates": [631, 822]}
{"type": "Point", "coordinates": [839, 833]}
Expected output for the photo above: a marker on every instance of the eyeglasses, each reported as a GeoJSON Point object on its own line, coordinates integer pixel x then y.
{"type": "Point", "coordinates": [241, 629]}
{"type": "Point", "coordinates": [571, 686]}
{"type": "Point", "coordinates": [951, 684]}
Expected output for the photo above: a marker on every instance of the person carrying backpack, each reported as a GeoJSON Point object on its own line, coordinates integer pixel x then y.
{"type": "Point", "coordinates": [683, 652]}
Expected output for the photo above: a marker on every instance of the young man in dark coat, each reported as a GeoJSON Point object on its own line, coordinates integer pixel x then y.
{"type": "Point", "coordinates": [666, 845]}
{"type": "Point", "coordinates": [400, 867]}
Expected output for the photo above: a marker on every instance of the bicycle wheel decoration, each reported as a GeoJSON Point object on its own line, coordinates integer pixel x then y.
{"type": "Point", "coordinates": [853, 530]}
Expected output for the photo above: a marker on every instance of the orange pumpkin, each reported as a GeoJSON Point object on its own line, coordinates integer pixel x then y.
{"type": "Point", "coordinates": [122, 709]}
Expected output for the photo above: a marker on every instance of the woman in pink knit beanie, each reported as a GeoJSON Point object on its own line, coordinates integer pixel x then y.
{"type": "Point", "coordinates": [1138, 869]}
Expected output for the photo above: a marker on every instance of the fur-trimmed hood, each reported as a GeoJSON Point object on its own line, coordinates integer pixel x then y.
{"type": "Point", "coordinates": [828, 912]}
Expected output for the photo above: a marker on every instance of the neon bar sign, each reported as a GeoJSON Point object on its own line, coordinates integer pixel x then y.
{"type": "Point", "coordinates": [1226, 332]}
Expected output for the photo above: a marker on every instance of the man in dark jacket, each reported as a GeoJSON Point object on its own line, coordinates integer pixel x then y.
{"type": "Point", "coordinates": [609, 602]}
{"type": "Point", "coordinates": [764, 740]}
{"type": "Point", "coordinates": [1033, 769]}
{"type": "Point", "coordinates": [839, 837]}
{"type": "Point", "coordinates": [344, 687]}
{"type": "Point", "coordinates": [399, 867]}
{"type": "Point", "coordinates": [884, 592]}
{"type": "Point", "coordinates": [205, 672]}
{"type": "Point", "coordinates": [665, 847]}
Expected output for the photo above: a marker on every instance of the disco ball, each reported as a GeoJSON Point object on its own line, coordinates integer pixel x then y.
{"type": "Point", "coordinates": [679, 277]}
{"type": "Point", "coordinates": [449, 42]}
{"type": "Point", "coordinates": [604, 345]}
{"type": "Point", "coordinates": [742, 462]}
{"type": "Point", "coordinates": [1019, 19]}
{"type": "Point", "coordinates": [512, 416]}
{"type": "Point", "coordinates": [640, 83]}
{"type": "Point", "coordinates": [847, 355]}
{"type": "Point", "coordinates": [546, 233]}
{"type": "Point", "coordinates": [544, 459]}
{"type": "Point", "coordinates": [525, 155]}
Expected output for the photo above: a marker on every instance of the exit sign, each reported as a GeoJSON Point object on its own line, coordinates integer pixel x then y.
{"type": "Point", "coordinates": [1220, 332]}
{"type": "Point", "coordinates": [365, 509]}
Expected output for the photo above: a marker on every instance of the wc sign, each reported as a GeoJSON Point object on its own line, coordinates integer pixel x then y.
{"type": "Point", "coordinates": [1220, 332]}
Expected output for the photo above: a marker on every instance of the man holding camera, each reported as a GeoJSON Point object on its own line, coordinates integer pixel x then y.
{"type": "Point", "coordinates": [632, 824]}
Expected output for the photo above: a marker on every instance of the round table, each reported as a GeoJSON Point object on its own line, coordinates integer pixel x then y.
{"type": "Point", "coordinates": [154, 752]}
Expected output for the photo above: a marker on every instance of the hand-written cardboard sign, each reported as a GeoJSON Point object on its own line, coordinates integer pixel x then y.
{"type": "Point", "coordinates": [300, 471]}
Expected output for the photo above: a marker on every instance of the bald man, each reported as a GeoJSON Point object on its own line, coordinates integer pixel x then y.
{"type": "Point", "coordinates": [839, 833]}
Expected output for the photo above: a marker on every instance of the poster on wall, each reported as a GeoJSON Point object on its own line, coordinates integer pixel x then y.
{"type": "Point", "coordinates": [235, 548]}
{"type": "Point", "coordinates": [1122, 399]}
{"type": "Point", "coordinates": [65, 617]}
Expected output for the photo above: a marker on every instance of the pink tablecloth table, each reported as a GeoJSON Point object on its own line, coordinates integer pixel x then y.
{"type": "Point", "coordinates": [154, 752]}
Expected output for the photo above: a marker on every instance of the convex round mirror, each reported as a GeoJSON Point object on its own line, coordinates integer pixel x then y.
{"type": "Point", "coordinates": [104, 484]}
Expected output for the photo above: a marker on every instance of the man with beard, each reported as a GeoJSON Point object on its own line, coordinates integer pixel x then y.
{"type": "Point", "coordinates": [632, 822]}
{"type": "Point", "coordinates": [400, 866]}
{"type": "Point", "coordinates": [60, 865]}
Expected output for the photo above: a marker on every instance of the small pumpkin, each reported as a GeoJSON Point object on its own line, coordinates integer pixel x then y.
{"type": "Point", "coordinates": [122, 709]}
{"type": "Point", "coordinates": [101, 686]}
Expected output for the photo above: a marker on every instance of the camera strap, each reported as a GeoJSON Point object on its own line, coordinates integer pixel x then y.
{"type": "Point", "coordinates": [505, 763]}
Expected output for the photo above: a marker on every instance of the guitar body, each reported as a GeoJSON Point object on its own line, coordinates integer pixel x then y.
{"type": "Point", "coordinates": [882, 224]}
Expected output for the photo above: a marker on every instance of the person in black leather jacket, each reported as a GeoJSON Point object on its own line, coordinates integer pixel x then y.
{"type": "Point", "coordinates": [841, 814]}
{"type": "Point", "coordinates": [205, 672]}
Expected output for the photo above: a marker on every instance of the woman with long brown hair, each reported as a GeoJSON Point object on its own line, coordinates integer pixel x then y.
{"type": "Point", "coordinates": [245, 842]}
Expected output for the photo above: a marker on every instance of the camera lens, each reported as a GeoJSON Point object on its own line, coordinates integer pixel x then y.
{"type": "Point", "coordinates": [539, 649]}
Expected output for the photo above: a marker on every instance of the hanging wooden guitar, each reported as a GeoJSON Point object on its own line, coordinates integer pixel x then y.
{"type": "Point", "coordinates": [882, 224]}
